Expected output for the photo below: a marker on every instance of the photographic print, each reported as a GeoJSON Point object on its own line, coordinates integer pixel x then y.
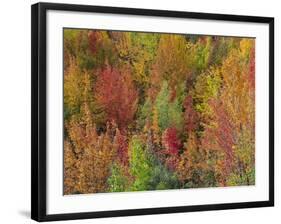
{"type": "Point", "coordinates": [139, 111]}
{"type": "Point", "coordinates": [157, 111]}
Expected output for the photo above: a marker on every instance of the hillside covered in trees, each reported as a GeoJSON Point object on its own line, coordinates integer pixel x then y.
{"type": "Point", "coordinates": [151, 111]}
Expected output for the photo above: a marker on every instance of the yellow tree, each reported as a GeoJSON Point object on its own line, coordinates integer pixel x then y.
{"type": "Point", "coordinates": [90, 155]}
{"type": "Point", "coordinates": [237, 93]}
{"type": "Point", "coordinates": [172, 63]}
{"type": "Point", "coordinates": [137, 50]}
{"type": "Point", "coordinates": [238, 96]}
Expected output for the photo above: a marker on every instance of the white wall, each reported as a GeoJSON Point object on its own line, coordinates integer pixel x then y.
{"type": "Point", "coordinates": [15, 110]}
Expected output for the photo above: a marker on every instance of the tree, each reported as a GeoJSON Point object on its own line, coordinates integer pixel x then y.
{"type": "Point", "coordinates": [95, 165]}
{"type": "Point", "coordinates": [138, 51]}
{"type": "Point", "coordinates": [119, 180]}
{"type": "Point", "coordinates": [202, 51]}
{"type": "Point", "coordinates": [70, 181]}
{"type": "Point", "coordinates": [218, 143]}
{"type": "Point", "coordinates": [162, 178]}
{"type": "Point", "coordinates": [147, 170]}
{"type": "Point", "coordinates": [122, 147]}
{"type": "Point", "coordinates": [90, 154]}
{"type": "Point", "coordinates": [102, 48]}
{"type": "Point", "coordinates": [221, 46]}
{"type": "Point", "coordinates": [172, 145]}
{"type": "Point", "coordinates": [140, 165]}
{"type": "Point", "coordinates": [191, 116]}
{"type": "Point", "coordinates": [76, 83]}
{"type": "Point", "coordinates": [171, 64]}
{"type": "Point", "coordinates": [189, 168]}
{"type": "Point", "coordinates": [236, 91]}
{"type": "Point", "coordinates": [116, 94]}
{"type": "Point", "coordinates": [172, 60]}
{"type": "Point", "coordinates": [206, 88]}
{"type": "Point", "coordinates": [76, 46]}
{"type": "Point", "coordinates": [78, 90]}
{"type": "Point", "coordinates": [243, 170]}
{"type": "Point", "coordinates": [147, 111]}
{"type": "Point", "coordinates": [155, 127]}
{"type": "Point", "coordinates": [144, 114]}
{"type": "Point", "coordinates": [169, 111]}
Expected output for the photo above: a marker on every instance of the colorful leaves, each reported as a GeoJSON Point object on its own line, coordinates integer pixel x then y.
{"type": "Point", "coordinates": [169, 112]}
{"type": "Point", "coordinates": [190, 115]}
{"type": "Point", "coordinates": [151, 111]}
{"type": "Point", "coordinates": [172, 145]}
{"type": "Point", "coordinates": [140, 165]}
{"type": "Point", "coordinates": [171, 142]}
{"type": "Point", "coordinates": [115, 92]}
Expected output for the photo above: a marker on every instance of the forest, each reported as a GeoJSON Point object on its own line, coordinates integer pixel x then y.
{"type": "Point", "coordinates": [154, 111]}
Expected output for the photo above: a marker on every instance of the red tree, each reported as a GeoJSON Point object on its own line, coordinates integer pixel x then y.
{"type": "Point", "coordinates": [190, 115]}
{"type": "Point", "coordinates": [116, 93]}
{"type": "Point", "coordinates": [219, 139]}
{"type": "Point", "coordinates": [94, 39]}
{"type": "Point", "coordinates": [172, 146]}
{"type": "Point", "coordinates": [122, 147]}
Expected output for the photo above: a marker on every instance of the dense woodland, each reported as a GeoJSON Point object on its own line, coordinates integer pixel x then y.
{"type": "Point", "coordinates": [150, 111]}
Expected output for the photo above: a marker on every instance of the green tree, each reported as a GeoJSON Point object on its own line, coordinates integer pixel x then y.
{"type": "Point", "coordinates": [170, 112]}
{"type": "Point", "coordinates": [140, 165]}
{"type": "Point", "coordinates": [118, 180]}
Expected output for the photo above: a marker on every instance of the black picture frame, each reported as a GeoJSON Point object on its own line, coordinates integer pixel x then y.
{"type": "Point", "coordinates": [38, 108]}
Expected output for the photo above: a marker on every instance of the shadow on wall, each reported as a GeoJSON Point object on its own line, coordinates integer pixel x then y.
{"type": "Point", "coordinates": [24, 213]}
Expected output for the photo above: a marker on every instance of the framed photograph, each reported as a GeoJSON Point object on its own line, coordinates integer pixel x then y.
{"type": "Point", "coordinates": [139, 111]}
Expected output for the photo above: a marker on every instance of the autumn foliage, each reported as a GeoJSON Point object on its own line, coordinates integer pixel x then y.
{"type": "Point", "coordinates": [114, 91]}
{"type": "Point", "coordinates": [151, 111]}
